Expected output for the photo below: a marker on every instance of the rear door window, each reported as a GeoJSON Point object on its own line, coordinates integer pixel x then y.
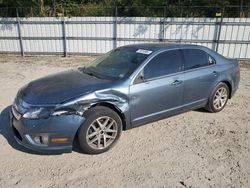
{"type": "Point", "coordinates": [165, 63]}
{"type": "Point", "coordinates": [195, 58]}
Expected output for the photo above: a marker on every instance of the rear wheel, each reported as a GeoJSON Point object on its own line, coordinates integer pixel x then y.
{"type": "Point", "coordinates": [100, 131]}
{"type": "Point", "coordinates": [218, 98]}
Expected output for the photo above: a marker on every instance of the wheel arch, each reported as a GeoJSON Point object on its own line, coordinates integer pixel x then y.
{"type": "Point", "coordinates": [115, 109]}
{"type": "Point", "coordinates": [229, 85]}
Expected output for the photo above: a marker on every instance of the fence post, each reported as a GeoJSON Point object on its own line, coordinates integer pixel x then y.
{"type": "Point", "coordinates": [115, 29]}
{"type": "Point", "coordinates": [64, 37]}
{"type": "Point", "coordinates": [162, 26]}
{"type": "Point", "coordinates": [19, 32]}
{"type": "Point", "coordinates": [219, 31]}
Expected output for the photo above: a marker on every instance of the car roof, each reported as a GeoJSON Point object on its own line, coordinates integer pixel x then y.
{"type": "Point", "coordinates": [159, 46]}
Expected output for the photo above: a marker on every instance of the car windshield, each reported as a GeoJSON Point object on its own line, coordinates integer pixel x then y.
{"type": "Point", "coordinates": [117, 63]}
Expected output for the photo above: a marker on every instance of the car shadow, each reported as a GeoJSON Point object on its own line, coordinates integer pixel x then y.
{"type": "Point", "coordinates": [202, 110]}
{"type": "Point", "coordinates": [7, 133]}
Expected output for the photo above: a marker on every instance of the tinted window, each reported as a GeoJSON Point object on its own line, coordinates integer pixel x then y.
{"type": "Point", "coordinates": [163, 64]}
{"type": "Point", "coordinates": [195, 58]}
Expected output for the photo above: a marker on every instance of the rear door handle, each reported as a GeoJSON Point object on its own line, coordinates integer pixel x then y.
{"type": "Point", "coordinates": [176, 82]}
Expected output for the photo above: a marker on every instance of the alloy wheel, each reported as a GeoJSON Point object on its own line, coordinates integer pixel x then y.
{"type": "Point", "coordinates": [220, 98]}
{"type": "Point", "coordinates": [102, 132]}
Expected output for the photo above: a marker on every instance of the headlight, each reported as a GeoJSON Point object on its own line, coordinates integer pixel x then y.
{"type": "Point", "coordinates": [38, 112]}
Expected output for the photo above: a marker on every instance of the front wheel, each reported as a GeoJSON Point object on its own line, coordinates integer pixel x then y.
{"type": "Point", "coordinates": [100, 131]}
{"type": "Point", "coordinates": [218, 98]}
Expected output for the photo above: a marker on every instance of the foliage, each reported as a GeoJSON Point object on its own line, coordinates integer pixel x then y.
{"type": "Point", "coordinates": [170, 8]}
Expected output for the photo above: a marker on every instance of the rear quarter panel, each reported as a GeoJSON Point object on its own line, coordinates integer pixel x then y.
{"type": "Point", "coordinates": [229, 71]}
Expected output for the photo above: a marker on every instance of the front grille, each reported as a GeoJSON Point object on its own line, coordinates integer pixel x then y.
{"type": "Point", "coordinates": [17, 134]}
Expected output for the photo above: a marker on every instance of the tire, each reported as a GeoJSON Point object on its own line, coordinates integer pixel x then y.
{"type": "Point", "coordinates": [218, 98]}
{"type": "Point", "coordinates": [101, 130]}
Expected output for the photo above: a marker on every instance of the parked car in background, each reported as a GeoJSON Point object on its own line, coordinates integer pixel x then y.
{"type": "Point", "coordinates": [126, 87]}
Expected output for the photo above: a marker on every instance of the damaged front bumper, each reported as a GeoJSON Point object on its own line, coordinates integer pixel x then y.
{"type": "Point", "coordinates": [53, 134]}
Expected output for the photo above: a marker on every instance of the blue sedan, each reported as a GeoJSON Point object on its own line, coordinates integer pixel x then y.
{"type": "Point", "coordinates": [125, 88]}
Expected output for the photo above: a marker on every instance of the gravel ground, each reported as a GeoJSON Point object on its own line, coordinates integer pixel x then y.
{"type": "Point", "coordinates": [194, 149]}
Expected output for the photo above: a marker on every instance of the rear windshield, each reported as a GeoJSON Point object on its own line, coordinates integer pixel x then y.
{"type": "Point", "coordinates": [118, 63]}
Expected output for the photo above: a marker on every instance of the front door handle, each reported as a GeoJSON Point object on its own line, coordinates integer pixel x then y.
{"type": "Point", "coordinates": [176, 82]}
{"type": "Point", "coordinates": [215, 73]}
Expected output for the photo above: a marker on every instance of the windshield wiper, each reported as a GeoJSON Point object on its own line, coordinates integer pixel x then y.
{"type": "Point", "coordinates": [95, 74]}
{"type": "Point", "coordinates": [88, 72]}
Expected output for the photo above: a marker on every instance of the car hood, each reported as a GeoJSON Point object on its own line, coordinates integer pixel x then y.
{"type": "Point", "coordinates": [60, 87]}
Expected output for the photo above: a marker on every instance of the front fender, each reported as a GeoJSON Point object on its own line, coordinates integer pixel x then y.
{"type": "Point", "coordinates": [114, 99]}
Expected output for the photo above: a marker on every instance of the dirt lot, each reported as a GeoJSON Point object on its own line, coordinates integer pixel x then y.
{"type": "Point", "coordinates": [195, 149]}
